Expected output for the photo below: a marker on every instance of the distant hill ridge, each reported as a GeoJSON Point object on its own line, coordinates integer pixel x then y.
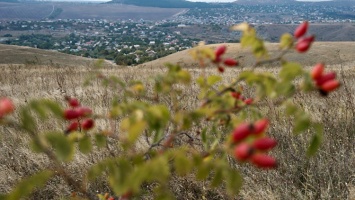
{"type": "Point", "coordinates": [166, 3]}
{"type": "Point", "coordinates": [10, 1]}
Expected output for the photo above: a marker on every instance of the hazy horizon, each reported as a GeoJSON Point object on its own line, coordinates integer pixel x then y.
{"type": "Point", "coordinates": [207, 1]}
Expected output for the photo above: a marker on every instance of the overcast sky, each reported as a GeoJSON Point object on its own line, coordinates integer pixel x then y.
{"type": "Point", "coordinates": [234, 0]}
{"type": "Point", "coordinates": [222, 1]}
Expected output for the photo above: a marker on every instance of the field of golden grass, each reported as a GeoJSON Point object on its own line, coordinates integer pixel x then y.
{"type": "Point", "coordinates": [328, 175]}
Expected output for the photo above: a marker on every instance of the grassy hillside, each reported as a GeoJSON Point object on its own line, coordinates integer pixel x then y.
{"type": "Point", "coordinates": [328, 52]}
{"type": "Point", "coordinates": [323, 32]}
{"type": "Point", "coordinates": [166, 3]}
{"type": "Point", "coordinates": [10, 54]}
{"type": "Point", "coordinates": [329, 175]}
{"type": "Point", "coordinates": [42, 10]}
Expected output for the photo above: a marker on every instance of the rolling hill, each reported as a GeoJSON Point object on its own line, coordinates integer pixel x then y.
{"type": "Point", "coordinates": [70, 10]}
{"type": "Point", "coordinates": [331, 53]}
{"type": "Point", "coordinates": [166, 3]}
{"type": "Point", "coordinates": [10, 54]}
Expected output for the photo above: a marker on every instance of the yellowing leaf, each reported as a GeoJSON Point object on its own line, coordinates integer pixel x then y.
{"type": "Point", "coordinates": [63, 147]}
{"type": "Point", "coordinates": [135, 130]}
{"type": "Point", "coordinates": [211, 80]}
{"type": "Point", "coordinates": [138, 87]}
{"type": "Point", "coordinates": [234, 181]}
{"type": "Point", "coordinates": [85, 145]}
{"type": "Point", "coordinates": [290, 70]}
{"type": "Point", "coordinates": [286, 41]}
{"type": "Point", "coordinates": [240, 27]}
{"type": "Point", "coordinates": [28, 185]}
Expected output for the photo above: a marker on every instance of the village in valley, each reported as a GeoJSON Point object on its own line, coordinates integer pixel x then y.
{"type": "Point", "coordinates": [135, 41]}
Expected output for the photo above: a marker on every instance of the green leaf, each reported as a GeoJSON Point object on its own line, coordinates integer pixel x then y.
{"type": "Point", "coordinates": [213, 79]}
{"type": "Point", "coordinates": [218, 177]}
{"type": "Point", "coordinates": [248, 76]}
{"type": "Point", "coordinates": [302, 123]}
{"type": "Point", "coordinates": [27, 120]}
{"type": "Point", "coordinates": [201, 81]}
{"type": "Point", "coordinates": [285, 88]}
{"type": "Point", "coordinates": [182, 164]}
{"type": "Point", "coordinates": [184, 76]}
{"type": "Point", "coordinates": [163, 193]}
{"type": "Point", "coordinates": [316, 140]}
{"type": "Point", "coordinates": [286, 41]}
{"type": "Point", "coordinates": [36, 147]}
{"type": "Point", "coordinates": [290, 70]}
{"type": "Point", "coordinates": [99, 168]}
{"type": "Point", "coordinates": [234, 181]}
{"type": "Point", "coordinates": [157, 117]}
{"type": "Point", "coordinates": [64, 148]}
{"type": "Point", "coordinates": [259, 49]}
{"type": "Point", "coordinates": [158, 169]}
{"type": "Point", "coordinates": [28, 185]}
{"type": "Point", "coordinates": [203, 170]}
{"type": "Point", "coordinates": [100, 140]}
{"type": "Point", "coordinates": [204, 138]}
{"type": "Point", "coordinates": [39, 109]}
{"type": "Point", "coordinates": [290, 108]}
{"type": "Point", "coordinates": [135, 130]}
{"type": "Point", "coordinates": [55, 108]}
{"type": "Point", "coordinates": [85, 145]}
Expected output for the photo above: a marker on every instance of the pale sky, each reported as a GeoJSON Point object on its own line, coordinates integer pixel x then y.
{"type": "Point", "coordinates": [212, 0]}
{"type": "Point", "coordinates": [234, 0]}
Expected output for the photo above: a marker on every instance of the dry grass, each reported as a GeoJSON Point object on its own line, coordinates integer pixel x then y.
{"type": "Point", "coordinates": [11, 54]}
{"type": "Point", "coordinates": [72, 10]}
{"type": "Point", "coordinates": [329, 175]}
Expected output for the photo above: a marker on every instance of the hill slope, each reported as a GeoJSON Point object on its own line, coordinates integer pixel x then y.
{"type": "Point", "coordinates": [165, 3]}
{"type": "Point", "coordinates": [326, 52]}
{"type": "Point", "coordinates": [10, 54]}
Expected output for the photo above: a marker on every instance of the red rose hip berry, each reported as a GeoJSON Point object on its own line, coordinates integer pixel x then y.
{"type": "Point", "coordinates": [220, 51]}
{"type": "Point", "coordinates": [264, 161]}
{"type": "Point", "coordinates": [264, 144]}
{"type": "Point", "coordinates": [230, 62]}
{"type": "Point", "coordinates": [325, 78]}
{"type": "Point", "coordinates": [301, 30]}
{"type": "Point", "coordinates": [6, 106]}
{"type": "Point", "coordinates": [260, 126]}
{"type": "Point", "coordinates": [242, 131]}
{"type": "Point", "coordinates": [72, 127]}
{"type": "Point", "coordinates": [330, 85]}
{"type": "Point", "coordinates": [220, 69]}
{"type": "Point", "coordinates": [73, 102]}
{"type": "Point", "coordinates": [84, 111]}
{"type": "Point", "coordinates": [243, 151]}
{"type": "Point", "coordinates": [70, 114]}
{"type": "Point", "coordinates": [248, 101]}
{"type": "Point", "coordinates": [317, 71]}
{"type": "Point", "coordinates": [88, 124]}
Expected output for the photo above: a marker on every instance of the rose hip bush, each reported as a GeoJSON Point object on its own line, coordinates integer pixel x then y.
{"type": "Point", "coordinates": [227, 124]}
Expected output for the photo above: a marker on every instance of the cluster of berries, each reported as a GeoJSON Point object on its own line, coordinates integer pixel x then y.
{"type": "Point", "coordinates": [6, 107]}
{"type": "Point", "coordinates": [75, 114]}
{"type": "Point", "coordinates": [325, 82]}
{"type": "Point", "coordinates": [240, 97]}
{"type": "Point", "coordinates": [251, 144]}
{"type": "Point", "coordinates": [229, 62]}
{"type": "Point", "coordinates": [303, 42]}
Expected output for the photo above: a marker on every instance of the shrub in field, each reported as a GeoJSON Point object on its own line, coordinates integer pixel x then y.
{"type": "Point", "coordinates": [228, 124]}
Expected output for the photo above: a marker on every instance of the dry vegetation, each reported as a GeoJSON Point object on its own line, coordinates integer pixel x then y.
{"type": "Point", "coordinates": [324, 32]}
{"type": "Point", "coordinates": [42, 10]}
{"type": "Point", "coordinates": [11, 54]}
{"type": "Point", "coordinates": [329, 175]}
